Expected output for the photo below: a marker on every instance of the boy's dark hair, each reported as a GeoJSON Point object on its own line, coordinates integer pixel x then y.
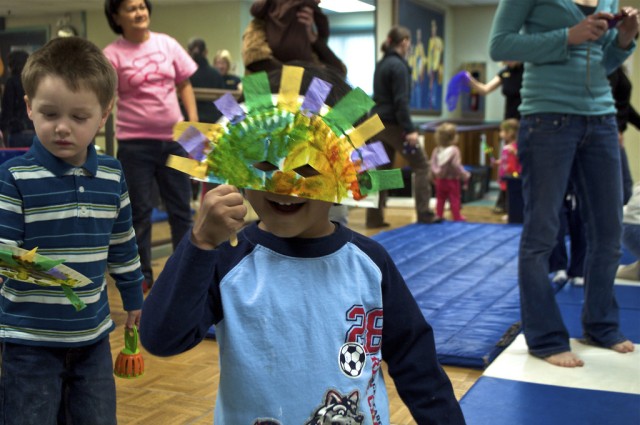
{"type": "Point", "coordinates": [78, 62]}
{"type": "Point", "coordinates": [111, 8]}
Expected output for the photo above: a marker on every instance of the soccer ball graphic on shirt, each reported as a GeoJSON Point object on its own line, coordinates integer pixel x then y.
{"type": "Point", "coordinates": [352, 359]}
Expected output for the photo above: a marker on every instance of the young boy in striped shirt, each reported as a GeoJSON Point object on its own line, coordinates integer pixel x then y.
{"type": "Point", "coordinates": [72, 204]}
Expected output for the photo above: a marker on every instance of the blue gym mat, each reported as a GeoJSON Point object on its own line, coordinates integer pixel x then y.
{"type": "Point", "coordinates": [464, 278]}
{"type": "Point", "coordinates": [494, 401]}
{"type": "Point", "coordinates": [570, 300]}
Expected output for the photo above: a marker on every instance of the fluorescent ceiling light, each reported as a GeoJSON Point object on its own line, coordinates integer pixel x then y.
{"type": "Point", "coordinates": [346, 6]}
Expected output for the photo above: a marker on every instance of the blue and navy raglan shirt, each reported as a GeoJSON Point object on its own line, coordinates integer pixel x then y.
{"type": "Point", "coordinates": [81, 215]}
{"type": "Point", "coordinates": [302, 327]}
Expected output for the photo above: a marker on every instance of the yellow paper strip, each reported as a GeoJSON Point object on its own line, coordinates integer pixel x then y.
{"type": "Point", "coordinates": [187, 165]}
{"type": "Point", "coordinates": [207, 129]}
{"type": "Point", "coordinates": [366, 130]}
{"type": "Point", "coordinates": [29, 256]}
{"type": "Point", "coordinates": [290, 88]}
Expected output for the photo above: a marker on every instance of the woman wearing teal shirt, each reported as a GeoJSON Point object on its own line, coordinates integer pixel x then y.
{"type": "Point", "coordinates": [568, 132]}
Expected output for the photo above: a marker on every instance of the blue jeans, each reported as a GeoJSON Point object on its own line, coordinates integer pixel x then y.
{"type": "Point", "coordinates": [555, 149]}
{"type": "Point", "coordinates": [38, 382]}
{"type": "Point", "coordinates": [144, 162]}
{"type": "Point", "coordinates": [570, 222]}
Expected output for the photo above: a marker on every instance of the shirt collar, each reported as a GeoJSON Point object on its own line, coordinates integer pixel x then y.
{"type": "Point", "coordinates": [59, 167]}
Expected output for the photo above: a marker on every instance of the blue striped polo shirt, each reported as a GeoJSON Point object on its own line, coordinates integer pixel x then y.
{"type": "Point", "coordinates": [81, 215]}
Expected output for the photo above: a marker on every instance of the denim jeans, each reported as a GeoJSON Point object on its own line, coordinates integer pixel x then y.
{"type": "Point", "coordinates": [144, 162]}
{"type": "Point", "coordinates": [34, 381]}
{"type": "Point", "coordinates": [555, 149]}
{"type": "Point", "coordinates": [571, 222]}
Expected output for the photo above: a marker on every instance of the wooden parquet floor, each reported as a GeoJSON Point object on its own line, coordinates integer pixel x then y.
{"type": "Point", "coordinates": [181, 390]}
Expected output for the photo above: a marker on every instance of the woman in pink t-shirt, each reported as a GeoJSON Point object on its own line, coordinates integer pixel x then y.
{"type": "Point", "coordinates": [153, 70]}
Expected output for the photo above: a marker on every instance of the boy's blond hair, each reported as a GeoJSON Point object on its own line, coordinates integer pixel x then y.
{"type": "Point", "coordinates": [78, 62]}
{"type": "Point", "coordinates": [445, 134]}
{"type": "Point", "coordinates": [511, 124]}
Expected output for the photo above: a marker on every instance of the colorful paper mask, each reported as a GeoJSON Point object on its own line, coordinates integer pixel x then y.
{"type": "Point", "coordinates": [288, 144]}
{"type": "Point", "coordinates": [31, 267]}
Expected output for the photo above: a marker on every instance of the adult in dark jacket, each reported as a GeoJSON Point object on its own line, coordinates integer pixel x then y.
{"type": "Point", "coordinates": [206, 76]}
{"type": "Point", "coordinates": [15, 124]}
{"type": "Point", "coordinates": [391, 92]}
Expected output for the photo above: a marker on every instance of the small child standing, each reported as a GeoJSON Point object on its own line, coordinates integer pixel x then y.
{"type": "Point", "coordinates": [70, 203]}
{"type": "Point", "coordinates": [508, 164]}
{"type": "Point", "coordinates": [305, 309]}
{"type": "Point", "coordinates": [448, 171]}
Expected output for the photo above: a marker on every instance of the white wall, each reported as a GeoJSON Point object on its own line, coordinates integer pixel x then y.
{"type": "Point", "coordinates": [471, 34]}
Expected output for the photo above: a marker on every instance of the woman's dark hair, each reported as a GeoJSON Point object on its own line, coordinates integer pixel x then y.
{"type": "Point", "coordinates": [395, 36]}
{"type": "Point", "coordinates": [111, 8]}
{"type": "Point", "coordinates": [17, 59]}
{"type": "Point", "coordinates": [197, 48]}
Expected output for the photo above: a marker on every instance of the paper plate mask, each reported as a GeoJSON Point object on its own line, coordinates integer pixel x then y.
{"type": "Point", "coordinates": [30, 267]}
{"type": "Point", "coordinates": [289, 144]}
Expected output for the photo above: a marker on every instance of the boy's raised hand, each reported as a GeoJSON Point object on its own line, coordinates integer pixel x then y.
{"type": "Point", "coordinates": [221, 215]}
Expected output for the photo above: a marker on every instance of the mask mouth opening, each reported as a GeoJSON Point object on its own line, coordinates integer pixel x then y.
{"type": "Point", "coordinates": [286, 208]}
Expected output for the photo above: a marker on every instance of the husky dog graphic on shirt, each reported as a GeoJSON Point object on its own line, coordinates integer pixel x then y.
{"type": "Point", "coordinates": [338, 409]}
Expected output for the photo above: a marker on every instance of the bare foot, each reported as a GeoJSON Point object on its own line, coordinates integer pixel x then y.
{"type": "Point", "coordinates": [565, 359]}
{"type": "Point", "coordinates": [623, 347]}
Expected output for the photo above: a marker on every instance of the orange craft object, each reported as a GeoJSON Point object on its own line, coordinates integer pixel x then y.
{"type": "Point", "coordinates": [129, 363]}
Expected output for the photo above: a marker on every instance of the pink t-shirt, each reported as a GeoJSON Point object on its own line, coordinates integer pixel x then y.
{"type": "Point", "coordinates": [147, 106]}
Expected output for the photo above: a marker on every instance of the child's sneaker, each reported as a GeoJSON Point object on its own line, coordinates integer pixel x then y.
{"type": "Point", "coordinates": [560, 277]}
{"type": "Point", "coordinates": [577, 281]}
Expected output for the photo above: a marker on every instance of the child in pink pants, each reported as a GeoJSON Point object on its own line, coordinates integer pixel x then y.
{"type": "Point", "coordinates": [448, 171]}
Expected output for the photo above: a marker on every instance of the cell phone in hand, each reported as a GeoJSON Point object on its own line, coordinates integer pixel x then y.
{"type": "Point", "coordinates": [616, 18]}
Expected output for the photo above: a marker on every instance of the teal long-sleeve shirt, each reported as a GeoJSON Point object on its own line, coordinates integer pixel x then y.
{"type": "Point", "coordinates": [558, 78]}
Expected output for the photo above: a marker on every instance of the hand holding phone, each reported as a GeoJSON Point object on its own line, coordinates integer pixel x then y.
{"type": "Point", "coordinates": [616, 18]}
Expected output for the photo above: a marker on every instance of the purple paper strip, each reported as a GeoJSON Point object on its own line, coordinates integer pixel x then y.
{"type": "Point", "coordinates": [194, 142]}
{"type": "Point", "coordinates": [373, 155]}
{"type": "Point", "coordinates": [316, 95]}
{"type": "Point", "coordinates": [229, 107]}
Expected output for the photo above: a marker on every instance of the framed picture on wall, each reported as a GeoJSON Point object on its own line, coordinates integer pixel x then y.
{"type": "Point", "coordinates": [426, 59]}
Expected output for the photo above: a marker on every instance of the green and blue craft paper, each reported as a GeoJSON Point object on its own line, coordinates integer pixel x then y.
{"type": "Point", "coordinates": [31, 267]}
